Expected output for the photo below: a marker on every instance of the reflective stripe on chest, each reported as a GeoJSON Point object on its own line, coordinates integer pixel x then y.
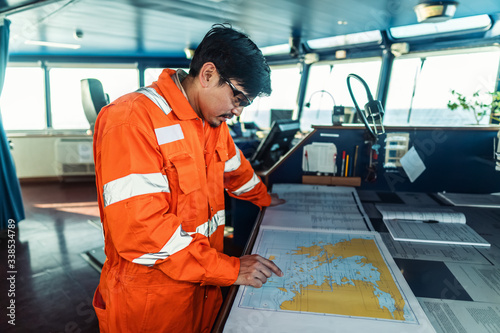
{"type": "Point", "coordinates": [165, 134]}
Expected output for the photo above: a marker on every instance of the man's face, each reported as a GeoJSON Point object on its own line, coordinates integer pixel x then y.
{"type": "Point", "coordinates": [223, 102]}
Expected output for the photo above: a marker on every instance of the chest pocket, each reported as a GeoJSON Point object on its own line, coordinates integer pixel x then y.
{"type": "Point", "coordinates": [184, 184]}
{"type": "Point", "coordinates": [222, 154]}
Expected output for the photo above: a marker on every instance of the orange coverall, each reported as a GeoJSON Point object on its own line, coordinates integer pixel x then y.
{"type": "Point", "coordinates": [161, 172]}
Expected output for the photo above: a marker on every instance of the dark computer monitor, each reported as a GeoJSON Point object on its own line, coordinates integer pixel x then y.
{"type": "Point", "coordinates": [275, 144]}
{"type": "Point", "coordinates": [250, 125]}
{"type": "Point", "coordinates": [278, 114]}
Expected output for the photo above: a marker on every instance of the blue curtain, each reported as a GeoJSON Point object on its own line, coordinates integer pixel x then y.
{"type": "Point", "coordinates": [11, 201]}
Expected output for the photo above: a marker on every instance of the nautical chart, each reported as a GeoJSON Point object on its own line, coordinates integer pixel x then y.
{"type": "Point", "coordinates": [328, 273]}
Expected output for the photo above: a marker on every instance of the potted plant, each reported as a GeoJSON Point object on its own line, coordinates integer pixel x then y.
{"type": "Point", "coordinates": [476, 105]}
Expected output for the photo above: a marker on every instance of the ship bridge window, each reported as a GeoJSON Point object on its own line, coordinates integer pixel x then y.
{"type": "Point", "coordinates": [23, 99]}
{"type": "Point", "coordinates": [151, 74]}
{"type": "Point", "coordinates": [332, 77]}
{"type": "Point", "coordinates": [421, 86]}
{"type": "Point", "coordinates": [65, 92]}
{"type": "Point", "coordinates": [285, 82]}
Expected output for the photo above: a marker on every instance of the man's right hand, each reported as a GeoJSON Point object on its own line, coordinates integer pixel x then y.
{"type": "Point", "coordinates": [255, 270]}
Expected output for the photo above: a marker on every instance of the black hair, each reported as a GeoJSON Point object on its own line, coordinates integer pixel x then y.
{"type": "Point", "coordinates": [236, 57]}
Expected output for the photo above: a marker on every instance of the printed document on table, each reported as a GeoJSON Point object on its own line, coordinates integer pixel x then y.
{"type": "Point", "coordinates": [434, 252]}
{"type": "Point", "coordinates": [420, 213]}
{"type": "Point", "coordinates": [440, 233]}
{"type": "Point", "coordinates": [332, 279]}
{"type": "Point", "coordinates": [481, 282]}
{"type": "Point", "coordinates": [285, 188]}
{"type": "Point", "coordinates": [462, 316]}
{"type": "Point", "coordinates": [306, 198]}
{"type": "Point", "coordinates": [492, 253]}
{"type": "Point", "coordinates": [471, 200]}
{"type": "Point", "coordinates": [316, 220]}
{"type": "Point", "coordinates": [318, 206]}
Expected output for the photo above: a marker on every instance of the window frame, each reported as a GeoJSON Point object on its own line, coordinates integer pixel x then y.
{"type": "Point", "coordinates": [437, 53]}
{"type": "Point", "coordinates": [31, 64]}
{"type": "Point", "coordinates": [46, 66]}
{"type": "Point", "coordinates": [97, 66]}
{"type": "Point", "coordinates": [337, 62]}
{"type": "Point", "coordinates": [273, 68]}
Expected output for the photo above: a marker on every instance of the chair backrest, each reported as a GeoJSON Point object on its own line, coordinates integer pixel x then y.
{"type": "Point", "coordinates": [93, 99]}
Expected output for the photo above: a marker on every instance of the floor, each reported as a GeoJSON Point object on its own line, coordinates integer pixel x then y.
{"type": "Point", "coordinates": [54, 282]}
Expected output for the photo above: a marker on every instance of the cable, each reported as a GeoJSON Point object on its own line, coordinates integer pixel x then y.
{"type": "Point", "coordinates": [373, 109]}
{"type": "Point", "coordinates": [308, 104]}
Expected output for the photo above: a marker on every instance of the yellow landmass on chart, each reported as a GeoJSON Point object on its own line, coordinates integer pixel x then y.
{"type": "Point", "coordinates": [353, 297]}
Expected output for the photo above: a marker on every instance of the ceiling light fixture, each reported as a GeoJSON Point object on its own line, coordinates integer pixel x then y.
{"type": "Point", "coordinates": [189, 52]}
{"type": "Point", "coordinates": [459, 25]}
{"type": "Point", "coordinates": [350, 39]}
{"type": "Point", "coordinates": [435, 11]}
{"type": "Point", "coordinates": [275, 49]}
{"type": "Point", "coordinates": [53, 44]}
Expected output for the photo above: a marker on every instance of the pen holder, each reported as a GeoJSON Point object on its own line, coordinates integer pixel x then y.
{"type": "Point", "coordinates": [330, 180]}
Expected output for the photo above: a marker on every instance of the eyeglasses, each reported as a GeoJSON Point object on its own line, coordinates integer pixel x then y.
{"type": "Point", "coordinates": [241, 102]}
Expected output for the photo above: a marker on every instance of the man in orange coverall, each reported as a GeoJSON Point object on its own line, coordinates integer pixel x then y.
{"type": "Point", "coordinates": [163, 158]}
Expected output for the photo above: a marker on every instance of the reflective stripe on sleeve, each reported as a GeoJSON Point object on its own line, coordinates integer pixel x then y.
{"type": "Point", "coordinates": [169, 134]}
{"type": "Point", "coordinates": [181, 239]}
{"type": "Point", "coordinates": [248, 186]}
{"type": "Point", "coordinates": [133, 185]}
{"type": "Point", "coordinates": [208, 228]}
{"type": "Point", "coordinates": [233, 163]}
{"type": "Point", "coordinates": [156, 98]}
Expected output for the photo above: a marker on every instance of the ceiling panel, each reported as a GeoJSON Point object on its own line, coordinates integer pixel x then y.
{"type": "Point", "coordinates": [165, 27]}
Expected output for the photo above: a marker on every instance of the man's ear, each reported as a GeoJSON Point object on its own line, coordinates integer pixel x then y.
{"type": "Point", "coordinates": [208, 75]}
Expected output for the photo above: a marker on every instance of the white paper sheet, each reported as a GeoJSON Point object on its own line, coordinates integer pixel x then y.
{"type": "Point", "coordinates": [316, 220]}
{"type": "Point", "coordinates": [485, 221]}
{"type": "Point", "coordinates": [320, 157]}
{"type": "Point", "coordinates": [318, 206]}
{"type": "Point", "coordinates": [285, 188]}
{"type": "Point", "coordinates": [441, 233]}
{"type": "Point", "coordinates": [448, 316]}
{"type": "Point", "coordinates": [471, 200]}
{"type": "Point", "coordinates": [390, 212]}
{"type": "Point", "coordinates": [481, 282]}
{"type": "Point", "coordinates": [492, 253]}
{"type": "Point", "coordinates": [412, 164]}
{"type": "Point", "coordinates": [434, 252]}
{"type": "Point", "coordinates": [260, 310]}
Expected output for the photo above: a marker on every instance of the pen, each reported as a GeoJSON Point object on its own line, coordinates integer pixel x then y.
{"type": "Point", "coordinates": [343, 164]}
{"type": "Point", "coordinates": [347, 166]}
{"type": "Point", "coordinates": [307, 160]}
{"type": "Point", "coordinates": [334, 164]}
